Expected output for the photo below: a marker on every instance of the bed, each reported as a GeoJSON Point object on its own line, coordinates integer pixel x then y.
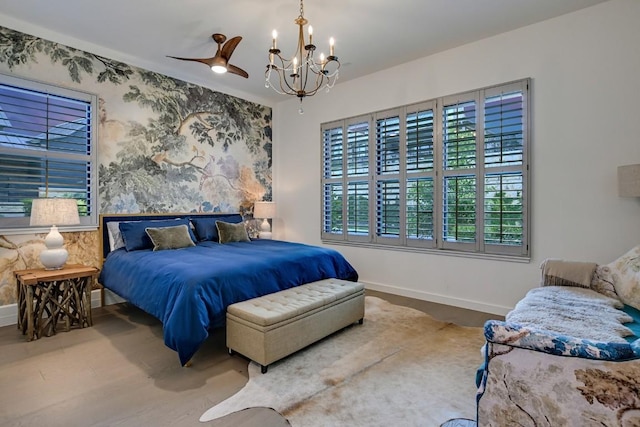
{"type": "Point", "coordinates": [189, 289]}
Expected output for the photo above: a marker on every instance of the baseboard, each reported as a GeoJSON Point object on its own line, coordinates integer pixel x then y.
{"type": "Point", "coordinates": [111, 298]}
{"type": "Point", "coordinates": [9, 313]}
{"type": "Point", "coordinates": [440, 299]}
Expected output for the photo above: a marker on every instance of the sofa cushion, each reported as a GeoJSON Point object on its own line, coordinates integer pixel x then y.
{"type": "Point", "coordinates": [625, 275]}
{"type": "Point", "coordinates": [557, 272]}
{"type": "Point", "coordinates": [602, 282]}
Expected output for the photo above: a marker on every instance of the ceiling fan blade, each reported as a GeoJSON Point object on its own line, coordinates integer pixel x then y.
{"type": "Point", "coordinates": [239, 71]}
{"type": "Point", "coordinates": [230, 46]}
{"type": "Point", "coordinates": [206, 61]}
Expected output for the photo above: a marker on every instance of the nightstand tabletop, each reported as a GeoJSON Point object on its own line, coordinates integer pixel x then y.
{"type": "Point", "coordinates": [69, 271]}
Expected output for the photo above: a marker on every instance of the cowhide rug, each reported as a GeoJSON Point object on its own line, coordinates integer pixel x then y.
{"type": "Point", "coordinates": [401, 367]}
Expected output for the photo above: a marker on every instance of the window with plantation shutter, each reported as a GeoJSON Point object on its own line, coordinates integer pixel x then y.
{"type": "Point", "coordinates": [345, 180]}
{"type": "Point", "coordinates": [448, 175]}
{"type": "Point", "coordinates": [388, 198]}
{"type": "Point", "coordinates": [47, 149]}
{"type": "Point", "coordinates": [420, 175]}
{"type": "Point", "coordinates": [459, 160]}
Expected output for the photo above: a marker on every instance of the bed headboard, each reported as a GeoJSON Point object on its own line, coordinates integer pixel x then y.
{"type": "Point", "coordinates": [105, 218]}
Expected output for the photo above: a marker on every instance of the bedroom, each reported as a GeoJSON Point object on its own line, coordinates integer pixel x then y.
{"type": "Point", "coordinates": [583, 65]}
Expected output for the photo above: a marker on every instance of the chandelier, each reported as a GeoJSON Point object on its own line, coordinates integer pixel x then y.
{"type": "Point", "coordinates": [302, 75]}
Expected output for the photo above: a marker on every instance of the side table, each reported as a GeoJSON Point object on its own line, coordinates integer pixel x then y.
{"type": "Point", "coordinates": [46, 297]}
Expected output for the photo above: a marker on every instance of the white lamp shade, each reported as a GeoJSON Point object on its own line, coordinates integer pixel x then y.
{"type": "Point", "coordinates": [54, 211]}
{"type": "Point", "coordinates": [264, 210]}
{"type": "Point", "coordinates": [629, 181]}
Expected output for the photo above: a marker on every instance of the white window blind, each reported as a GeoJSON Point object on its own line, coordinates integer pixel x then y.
{"type": "Point", "coordinates": [448, 174]}
{"type": "Point", "coordinates": [47, 149]}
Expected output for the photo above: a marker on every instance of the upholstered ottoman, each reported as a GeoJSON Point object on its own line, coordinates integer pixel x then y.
{"type": "Point", "coordinates": [273, 326]}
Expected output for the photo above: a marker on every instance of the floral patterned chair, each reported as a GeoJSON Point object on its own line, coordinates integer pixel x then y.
{"type": "Point", "coordinates": [536, 377]}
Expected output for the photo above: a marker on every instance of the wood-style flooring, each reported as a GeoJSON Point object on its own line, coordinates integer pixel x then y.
{"type": "Point", "coordinates": [120, 373]}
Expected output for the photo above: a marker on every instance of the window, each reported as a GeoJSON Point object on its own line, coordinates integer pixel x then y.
{"type": "Point", "coordinates": [47, 149]}
{"type": "Point", "coordinates": [448, 174]}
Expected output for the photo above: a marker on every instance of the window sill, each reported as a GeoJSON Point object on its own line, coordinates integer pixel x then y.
{"type": "Point", "coordinates": [445, 252]}
{"type": "Point", "coordinates": [41, 230]}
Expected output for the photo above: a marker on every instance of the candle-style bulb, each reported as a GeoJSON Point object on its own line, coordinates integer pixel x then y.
{"type": "Point", "coordinates": [310, 34]}
{"type": "Point", "coordinates": [332, 43]}
{"type": "Point", "coordinates": [274, 35]}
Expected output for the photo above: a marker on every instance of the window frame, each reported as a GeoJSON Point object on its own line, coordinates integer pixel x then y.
{"type": "Point", "coordinates": [480, 246]}
{"type": "Point", "coordinates": [20, 225]}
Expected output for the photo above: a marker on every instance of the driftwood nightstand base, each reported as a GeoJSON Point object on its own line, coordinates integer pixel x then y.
{"type": "Point", "coordinates": [47, 298]}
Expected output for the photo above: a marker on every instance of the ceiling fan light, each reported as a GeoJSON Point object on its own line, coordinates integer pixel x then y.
{"type": "Point", "coordinates": [219, 69]}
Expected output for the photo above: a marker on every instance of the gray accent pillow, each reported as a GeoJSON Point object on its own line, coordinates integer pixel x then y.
{"type": "Point", "coordinates": [176, 237]}
{"type": "Point", "coordinates": [229, 232]}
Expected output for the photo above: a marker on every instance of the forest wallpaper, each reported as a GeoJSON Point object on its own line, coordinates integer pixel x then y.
{"type": "Point", "coordinates": [164, 145]}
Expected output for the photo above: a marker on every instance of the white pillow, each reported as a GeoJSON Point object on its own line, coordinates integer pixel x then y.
{"type": "Point", "coordinates": [115, 237]}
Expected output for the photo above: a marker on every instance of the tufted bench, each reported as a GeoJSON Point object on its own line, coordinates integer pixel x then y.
{"type": "Point", "coordinates": [268, 328]}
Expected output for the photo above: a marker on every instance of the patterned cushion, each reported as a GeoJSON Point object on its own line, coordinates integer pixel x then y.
{"type": "Point", "coordinates": [602, 281]}
{"type": "Point", "coordinates": [625, 272]}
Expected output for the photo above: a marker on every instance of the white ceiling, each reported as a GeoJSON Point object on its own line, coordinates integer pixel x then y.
{"type": "Point", "coordinates": [370, 35]}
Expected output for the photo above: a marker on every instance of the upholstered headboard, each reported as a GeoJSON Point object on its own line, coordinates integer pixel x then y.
{"type": "Point", "coordinates": [105, 218]}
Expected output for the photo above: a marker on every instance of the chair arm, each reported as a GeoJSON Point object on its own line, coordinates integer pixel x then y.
{"type": "Point", "coordinates": [515, 335]}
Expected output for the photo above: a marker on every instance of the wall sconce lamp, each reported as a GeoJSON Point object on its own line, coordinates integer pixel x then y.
{"type": "Point", "coordinates": [266, 211]}
{"type": "Point", "coordinates": [54, 212]}
{"type": "Point", "coordinates": [629, 181]}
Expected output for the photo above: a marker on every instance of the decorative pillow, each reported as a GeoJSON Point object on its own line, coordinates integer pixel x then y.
{"type": "Point", "coordinates": [229, 232]}
{"type": "Point", "coordinates": [206, 227]}
{"type": "Point", "coordinates": [557, 272]}
{"type": "Point", "coordinates": [602, 282]}
{"type": "Point", "coordinates": [115, 237]}
{"type": "Point", "coordinates": [625, 272]}
{"type": "Point", "coordinates": [170, 237]}
{"type": "Point", "coordinates": [135, 235]}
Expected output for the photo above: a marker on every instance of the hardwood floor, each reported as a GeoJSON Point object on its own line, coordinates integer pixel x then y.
{"type": "Point", "coordinates": [120, 373]}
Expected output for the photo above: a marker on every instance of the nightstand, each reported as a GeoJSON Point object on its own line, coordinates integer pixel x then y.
{"type": "Point", "coordinates": [47, 297]}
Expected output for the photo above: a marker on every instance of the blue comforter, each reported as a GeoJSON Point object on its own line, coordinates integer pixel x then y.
{"type": "Point", "coordinates": [189, 289]}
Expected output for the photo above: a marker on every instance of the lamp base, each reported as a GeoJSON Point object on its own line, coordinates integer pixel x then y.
{"type": "Point", "coordinates": [54, 257]}
{"type": "Point", "coordinates": [265, 230]}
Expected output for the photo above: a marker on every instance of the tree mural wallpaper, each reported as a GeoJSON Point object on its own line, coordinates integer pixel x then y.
{"type": "Point", "coordinates": [164, 145]}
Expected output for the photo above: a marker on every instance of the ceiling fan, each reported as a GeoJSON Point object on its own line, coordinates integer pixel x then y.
{"type": "Point", "coordinates": [220, 62]}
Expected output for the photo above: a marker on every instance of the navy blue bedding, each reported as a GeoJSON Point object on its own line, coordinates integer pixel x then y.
{"type": "Point", "coordinates": [189, 289]}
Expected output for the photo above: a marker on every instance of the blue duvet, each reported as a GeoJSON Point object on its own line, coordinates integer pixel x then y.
{"type": "Point", "coordinates": [189, 289]}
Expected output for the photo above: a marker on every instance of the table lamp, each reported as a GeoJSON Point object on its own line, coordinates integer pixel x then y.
{"type": "Point", "coordinates": [266, 211]}
{"type": "Point", "coordinates": [54, 212]}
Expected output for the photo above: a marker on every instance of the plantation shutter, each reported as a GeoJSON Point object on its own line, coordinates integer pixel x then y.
{"type": "Point", "coordinates": [389, 186]}
{"type": "Point", "coordinates": [446, 174]}
{"type": "Point", "coordinates": [505, 130]}
{"type": "Point", "coordinates": [420, 175]}
{"type": "Point", "coordinates": [333, 170]}
{"type": "Point", "coordinates": [46, 149]}
{"type": "Point", "coordinates": [357, 180]}
{"type": "Point", "coordinates": [459, 212]}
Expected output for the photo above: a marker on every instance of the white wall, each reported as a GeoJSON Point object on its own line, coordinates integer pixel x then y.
{"type": "Point", "coordinates": [585, 68]}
